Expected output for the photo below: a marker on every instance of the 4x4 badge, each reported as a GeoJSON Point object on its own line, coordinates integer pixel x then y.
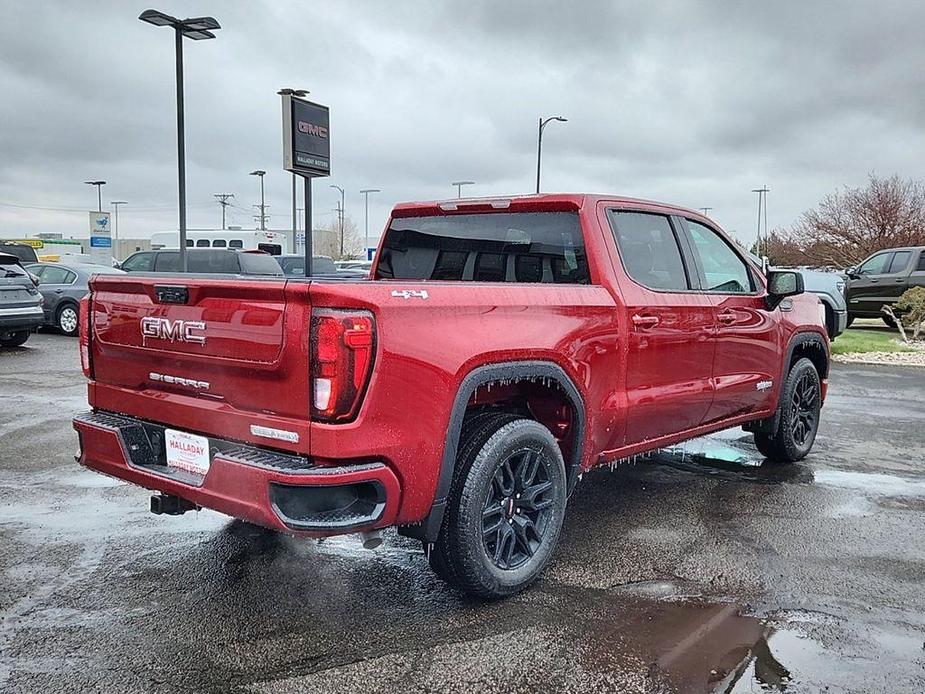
{"type": "Point", "coordinates": [408, 293]}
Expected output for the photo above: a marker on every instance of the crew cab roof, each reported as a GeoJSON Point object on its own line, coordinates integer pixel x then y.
{"type": "Point", "coordinates": [543, 202]}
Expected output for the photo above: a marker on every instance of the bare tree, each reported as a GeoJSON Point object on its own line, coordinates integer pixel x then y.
{"type": "Point", "coordinates": [849, 225]}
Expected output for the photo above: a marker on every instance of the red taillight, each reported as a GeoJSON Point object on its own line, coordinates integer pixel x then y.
{"type": "Point", "coordinates": [83, 326]}
{"type": "Point", "coordinates": [343, 344]}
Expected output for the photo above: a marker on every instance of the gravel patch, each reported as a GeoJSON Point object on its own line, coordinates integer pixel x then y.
{"type": "Point", "coordinates": [916, 358]}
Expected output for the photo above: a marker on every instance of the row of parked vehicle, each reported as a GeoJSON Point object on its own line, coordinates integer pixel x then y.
{"type": "Point", "coordinates": [33, 294]}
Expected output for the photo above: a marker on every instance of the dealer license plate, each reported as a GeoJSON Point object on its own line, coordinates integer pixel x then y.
{"type": "Point", "coordinates": [187, 451]}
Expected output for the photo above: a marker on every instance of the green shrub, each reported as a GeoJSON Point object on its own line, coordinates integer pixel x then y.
{"type": "Point", "coordinates": [911, 310]}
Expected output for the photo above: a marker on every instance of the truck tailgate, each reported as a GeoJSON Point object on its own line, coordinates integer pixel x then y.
{"type": "Point", "coordinates": [167, 347]}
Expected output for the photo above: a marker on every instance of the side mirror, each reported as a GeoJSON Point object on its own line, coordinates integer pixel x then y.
{"type": "Point", "coordinates": [781, 284]}
{"type": "Point", "coordinates": [852, 272]}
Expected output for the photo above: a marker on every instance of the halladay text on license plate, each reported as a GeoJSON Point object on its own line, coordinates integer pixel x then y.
{"type": "Point", "coordinates": [187, 451]}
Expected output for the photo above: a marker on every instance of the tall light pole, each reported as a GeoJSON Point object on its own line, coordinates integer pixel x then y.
{"type": "Point", "coordinates": [341, 215]}
{"type": "Point", "coordinates": [762, 202]}
{"type": "Point", "coordinates": [99, 195]}
{"type": "Point", "coordinates": [704, 210]}
{"type": "Point", "coordinates": [539, 144]}
{"type": "Point", "coordinates": [115, 227]}
{"type": "Point", "coordinates": [365, 194]}
{"type": "Point", "coordinates": [459, 185]}
{"type": "Point", "coordinates": [196, 28]}
{"type": "Point", "coordinates": [263, 204]}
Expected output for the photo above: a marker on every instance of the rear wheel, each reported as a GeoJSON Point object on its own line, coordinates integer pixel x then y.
{"type": "Point", "coordinates": [800, 404]}
{"type": "Point", "coordinates": [889, 322]}
{"type": "Point", "coordinates": [67, 320]}
{"type": "Point", "coordinates": [15, 339]}
{"type": "Point", "coordinates": [505, 509]}
{"type": "Point", "coordinates": [849, 321]}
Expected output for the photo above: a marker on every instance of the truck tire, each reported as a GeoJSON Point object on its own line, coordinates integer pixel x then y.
{"type": "Point", "coordinates": [849, 321]}
{"type": "Point", "coordinates": [889, 322]}
{"type": "Point", "coordinates": [505, 508]}
{"type": "Point", "coordinates": [67, 319]}
{"type": "Point", "coordinates": [15, 339]}
{"type": "Point", "coordinates": [800, 403]}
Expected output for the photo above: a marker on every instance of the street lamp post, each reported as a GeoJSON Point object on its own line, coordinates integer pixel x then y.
{"type": "Point", "coordinates": [704, 210]}
{"type": "Point", "coordinates": [263, 205]}
{"type": "Point", "coordinates": [543, 122]}
{"type": "Point", "coordinates": [365, 194]}
{"type": "Point", "coordinates": [341, 215]}
{"type": "Point", "coordinates": [115, 227]}
{"type": "Point", "coordinates": [762, 202]}
{"type": "Point", "coordinates": [196, 28]}
{"type": "Point", "coordinates": [99, 195]}
{"type": "Point", "coordinates": [459, 185]}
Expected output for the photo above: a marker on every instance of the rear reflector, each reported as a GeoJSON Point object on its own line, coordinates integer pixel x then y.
{"type": "Point", "coordinates": [342, 351]}
{"type": "Point", "coordinates": [83, 327]}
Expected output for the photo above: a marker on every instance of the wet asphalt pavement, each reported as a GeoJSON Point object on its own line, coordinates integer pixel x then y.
{"type": "Point", "coordinates": [697, 569]}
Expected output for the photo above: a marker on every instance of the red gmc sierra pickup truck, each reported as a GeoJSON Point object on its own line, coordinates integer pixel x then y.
{"type": "Point", "coordinates": [500, 348]}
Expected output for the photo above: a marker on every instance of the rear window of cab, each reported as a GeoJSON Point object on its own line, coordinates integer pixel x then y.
{"type": "Point", "coordinates": [534, 247]}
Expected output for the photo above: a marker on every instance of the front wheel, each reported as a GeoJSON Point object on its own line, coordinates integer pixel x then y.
{"type": "Point", "coordinates": [505, 509]}
{"type": "Point", "coordinates": [799, 409]}
{"type": "Point", "coordinates": [67, 320]}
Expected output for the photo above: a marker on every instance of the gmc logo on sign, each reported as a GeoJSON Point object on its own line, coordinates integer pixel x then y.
{"type": "Point", "coordinates": [174, 331]}
{"type": "Point", "coordinates": [312, 129]}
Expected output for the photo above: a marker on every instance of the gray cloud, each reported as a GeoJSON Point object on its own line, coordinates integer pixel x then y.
{"type": "Point", "coordinates": [692, 103]}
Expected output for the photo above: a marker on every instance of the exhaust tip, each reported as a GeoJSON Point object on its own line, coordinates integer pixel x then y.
{"type": "Point", "coordinates": [371, 539]}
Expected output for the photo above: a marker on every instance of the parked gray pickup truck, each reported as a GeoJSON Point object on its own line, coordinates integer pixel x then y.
{"type": "Point", "coordinates": [881, 279]}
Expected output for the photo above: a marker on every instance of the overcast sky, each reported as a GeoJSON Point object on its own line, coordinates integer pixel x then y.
{"type": "Point", "coordinates": [692, 103]}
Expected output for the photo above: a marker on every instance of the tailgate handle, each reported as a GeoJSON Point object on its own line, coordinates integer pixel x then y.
{"type": "Point", "coordinates": [171, 294]}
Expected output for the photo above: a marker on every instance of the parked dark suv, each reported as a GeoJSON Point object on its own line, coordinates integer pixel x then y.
{"type": "Point", "coordinates": [20, 303]}
{"type": "Point", "coordinates": [208, 260]}
{"type": "Point", "coordinates": [881, 279]}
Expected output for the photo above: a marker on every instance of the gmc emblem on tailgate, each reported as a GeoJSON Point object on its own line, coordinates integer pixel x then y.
{"type": "Point", "coordinates": [174, 331]}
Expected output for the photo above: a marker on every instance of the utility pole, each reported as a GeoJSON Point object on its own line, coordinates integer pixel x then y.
{"type": "Point", "coordinates": [263, 202]}
{"type": "Point", "coordinates": [762, 202]}
{"type": "Point", "coordinates": [366, 193]}
{"type": "Point", "coordinates": [223, 199]}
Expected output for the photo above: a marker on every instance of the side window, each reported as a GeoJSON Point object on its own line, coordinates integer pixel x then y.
{"type": "Point", "coordinates": [723, 269]}
{"type": "Point", "coordinates": [649, 250]}
{"type": "Point", "coordinates": [236, 243]}
{"type": "Point", "coordinates": [219, 243]}
{"type": "Point", "coordinates": [140, 262]}
{"type": "Point", "coordinates": [39, 270]}
{"type": "Point", "coordinates": [55, 275]}
{"type": "Point", "coordinates": [900, 260]}
{"type": "Point", "coordinates": [921, 266]}
{"type": "Point", "coordinates": [877, 265]}
{"type": "Point", "coordinates": [202, 243]}
{"type": "Point", "coordinates": [189, 243]}
{"type": "Point", "coordinates": [168, 262]}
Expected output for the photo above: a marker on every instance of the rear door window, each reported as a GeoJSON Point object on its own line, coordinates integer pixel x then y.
{"type": "Point", "coordinates": [899, 262]}
{"type": "Point", "coordinates": [921, 265]}
{"type": "Point", "coordinates": [491, 247]}
{"type": "Point", "coordinates": [225, 262]}
{"type": "Point", "coordinates": [167, 262]}
{"type": "Point", "coordinates": [57, 275]}
{"type": "Point", "coordinates": [649, 250]}
{"type": "Point", "coordinates": [260, 264]}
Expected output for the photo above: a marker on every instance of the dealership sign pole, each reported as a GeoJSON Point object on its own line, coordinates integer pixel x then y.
{"type": "Point", "coordinates": [306, 151]}
{"type": "Point", "coordinates": [100, 238]}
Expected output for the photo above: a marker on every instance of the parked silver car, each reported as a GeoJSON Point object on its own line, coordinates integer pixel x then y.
{"type": "Point", "coordinates": [20, 302]}
{"type": "Point", "coordinates": [63, 286]}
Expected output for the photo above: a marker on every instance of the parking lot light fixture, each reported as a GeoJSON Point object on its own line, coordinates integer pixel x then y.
{"type": "Point", "coordinates": [539, 144]}
{"type": "Point", "coordinates": [99, 195]}
{"type": "Point", "coordinates": [197, 29]}
{"type": "Point", "coordinates": [459, 185]}
{"type": "Point", "coordinates": [365, 193]}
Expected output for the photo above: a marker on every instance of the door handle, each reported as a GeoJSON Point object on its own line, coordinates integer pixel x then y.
{"type": "Point", "coordinates": [645, 322]}
{"type": "Point", "coordinates": [59, 291]}
{"type": "Point", "coordinates": [726, 318]}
